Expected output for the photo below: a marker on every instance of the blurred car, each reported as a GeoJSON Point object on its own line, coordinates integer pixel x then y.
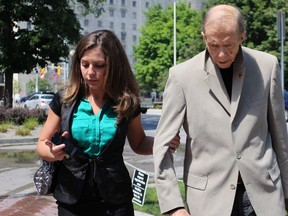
{"type": "Point", "coordinates": [39, 100]}
{"type": "Point", "coordinates": [23, 99]}
{"type": "Point", "coordinates": [286, 104]}
{"type": "Point", "coordinates": [146, 103]}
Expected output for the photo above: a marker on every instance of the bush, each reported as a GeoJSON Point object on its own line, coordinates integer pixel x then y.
{"type": "Point", "coordinates": [2, 113]}
{"type": "Point", "coordinates": [39, 114]}
{"type": "Point", "coordinates": [19, 115]}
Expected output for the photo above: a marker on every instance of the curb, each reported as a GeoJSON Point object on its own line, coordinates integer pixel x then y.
{"type": "Point", "coordinates": [19, 141]}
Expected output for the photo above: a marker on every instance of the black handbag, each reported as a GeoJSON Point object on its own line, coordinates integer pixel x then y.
{"type": "Point", "coordinates": [44, 177]}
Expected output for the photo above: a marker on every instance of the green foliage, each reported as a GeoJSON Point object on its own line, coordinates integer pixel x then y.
{"type": "Point", "coordinates": [261, 25]}
{"type": "Point", "coordinates": [54, 28]}
{"type": "Point", "coordinates": [22, 131]}
{"type": "Point", "coordinates": [154, 54]}
{"type": "Point", "coordinates": [30, 123]}
{"type": "Point", "coordinates": [4, 126]}
{"type": "Point", "coordinates": [16, 86]}
{"type": "Point", "coordinates": [43, 85]}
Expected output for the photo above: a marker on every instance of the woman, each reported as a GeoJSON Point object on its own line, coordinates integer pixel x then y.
{"type": "Point", "coordinates": [95, 113]}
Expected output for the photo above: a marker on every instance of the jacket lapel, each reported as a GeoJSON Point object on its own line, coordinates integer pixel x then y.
{"type": "Point", "coordinates": [216, 84]}
{"type": "Point", "coordinates": [237, 86]}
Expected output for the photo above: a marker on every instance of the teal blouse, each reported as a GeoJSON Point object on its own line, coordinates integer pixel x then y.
{"type": "Point", "coordinates": [93, 132]}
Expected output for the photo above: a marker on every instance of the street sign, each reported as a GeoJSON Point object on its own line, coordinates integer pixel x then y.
{"type": "Point", "coordinates": [139, 186]}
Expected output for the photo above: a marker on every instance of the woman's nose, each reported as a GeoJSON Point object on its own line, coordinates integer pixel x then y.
{"type": "Point", "coordinates": [91, 70]}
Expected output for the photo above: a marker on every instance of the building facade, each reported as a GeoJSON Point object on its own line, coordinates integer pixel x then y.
{"type": "Point", "coordinates": [125, 18]}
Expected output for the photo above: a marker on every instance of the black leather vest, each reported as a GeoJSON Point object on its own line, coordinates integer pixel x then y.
{"type": "Point", "coordinates": [101, 178]}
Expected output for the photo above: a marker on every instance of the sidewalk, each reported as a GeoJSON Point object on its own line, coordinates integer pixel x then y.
{"type": "Point", "coordinates": [34, 205]}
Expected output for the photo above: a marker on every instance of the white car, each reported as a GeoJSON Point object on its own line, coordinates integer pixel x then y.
{"type": "Point", "coordinates": [39, 100]}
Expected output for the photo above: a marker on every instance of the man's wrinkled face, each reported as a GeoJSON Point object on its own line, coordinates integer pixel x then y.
{"type": "Point", "coordinates": [222, 42]}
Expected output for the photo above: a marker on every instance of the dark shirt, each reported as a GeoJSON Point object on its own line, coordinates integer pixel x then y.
{"type": "Point", "coordinates": [227, 76]}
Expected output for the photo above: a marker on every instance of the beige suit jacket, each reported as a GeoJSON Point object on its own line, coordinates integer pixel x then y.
{"type": "Point", "coordinates": [247, 135]}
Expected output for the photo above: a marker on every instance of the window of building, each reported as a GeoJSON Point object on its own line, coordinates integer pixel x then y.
{"type": "Point", "coordinates": [86, 22]}
{"type": "Point", "coordinates": [111, 1]}
{"type": "Point", "coordinates": [111, 24]}
{"type": "Point", "coordinates": [99, 23]}
{"type": "Point", "coordinates": [123, 14]}
{"type": "Point", "coordinates": [134, 26]}
{"type": "Point", "coordinates": [123, 2]}
{"type": "Point", "coordinates": [123, 26]}
{"type": "Point", "coordinates": [134, 15]}
{"type": "Point", "coordinates": [147, 4]}
{"type": "Point", "coordinates": [111, 12]}
{"type": "Point", "coordinates": [123, 36]}
{"type": "Point", "coordinates": [134, 3]}
{"type": "Point", "coordinates": [134, 39]}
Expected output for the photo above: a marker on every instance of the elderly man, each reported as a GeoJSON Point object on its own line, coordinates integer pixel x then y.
{"type": "Point", "coordinates": [229, 100]}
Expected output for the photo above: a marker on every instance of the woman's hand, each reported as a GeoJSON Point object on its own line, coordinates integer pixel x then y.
{"type": "Point", "coordinates": [56, 150]}
{"type": "Point", "coordinates": [174, 143]}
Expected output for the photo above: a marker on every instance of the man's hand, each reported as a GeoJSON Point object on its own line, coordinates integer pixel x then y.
{"type": "Point", "coordinates": [180, 212]}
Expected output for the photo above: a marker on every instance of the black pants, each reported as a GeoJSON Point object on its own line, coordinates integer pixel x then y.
{"type": "Point", "coordinates": [242, 205]}
{"type": "Point", "coordinates": [95, 209]}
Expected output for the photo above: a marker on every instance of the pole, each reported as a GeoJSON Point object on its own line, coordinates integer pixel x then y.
{"type": "Point", "coordinates": [174, 33]}
{"type": "Point", "coordinates": [282, 62]}
{"type": "Point", "coordinates": [281, 33]}
{"type": "Point", "coordinates": [37, 77]}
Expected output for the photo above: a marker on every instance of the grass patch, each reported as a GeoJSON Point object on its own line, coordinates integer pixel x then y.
{"type": "Point", "coordinates": [21, 156]}
{"type": "Point", "coordinates": [5, 126]}
{"type": "Point", "coordinates": [22, 131]}
{"type": "Point", "coordinates": [151, 205]}
{"type": "Point", "coordinates": [30, 123]}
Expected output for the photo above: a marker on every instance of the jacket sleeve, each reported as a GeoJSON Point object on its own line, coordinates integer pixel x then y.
{"type": "Point", "coordinates": [173, 112]}
{"type": "Point", "coordinates": [277, 126]}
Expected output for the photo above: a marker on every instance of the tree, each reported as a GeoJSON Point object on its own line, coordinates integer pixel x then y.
{"type": "Point", "coordinates": [54, 28]}
{"type": "Point", "coordinates": [43, 85]}
{"type": "Point", "coordinates": [154, 53]}
{"type": "Point", "coordinates": [261, 25]}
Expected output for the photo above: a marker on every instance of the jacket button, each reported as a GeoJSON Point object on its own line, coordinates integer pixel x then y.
{"type": "Point", "coordinates": [233, 187]}
{"type": "Point", "coordinates": [238, 156]}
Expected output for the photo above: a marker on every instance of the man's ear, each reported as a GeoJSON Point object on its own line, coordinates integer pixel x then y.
{"type": "Point", "coordinates": [203, 37]}
{"type": "Point", "coordinates": [243, 35]}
